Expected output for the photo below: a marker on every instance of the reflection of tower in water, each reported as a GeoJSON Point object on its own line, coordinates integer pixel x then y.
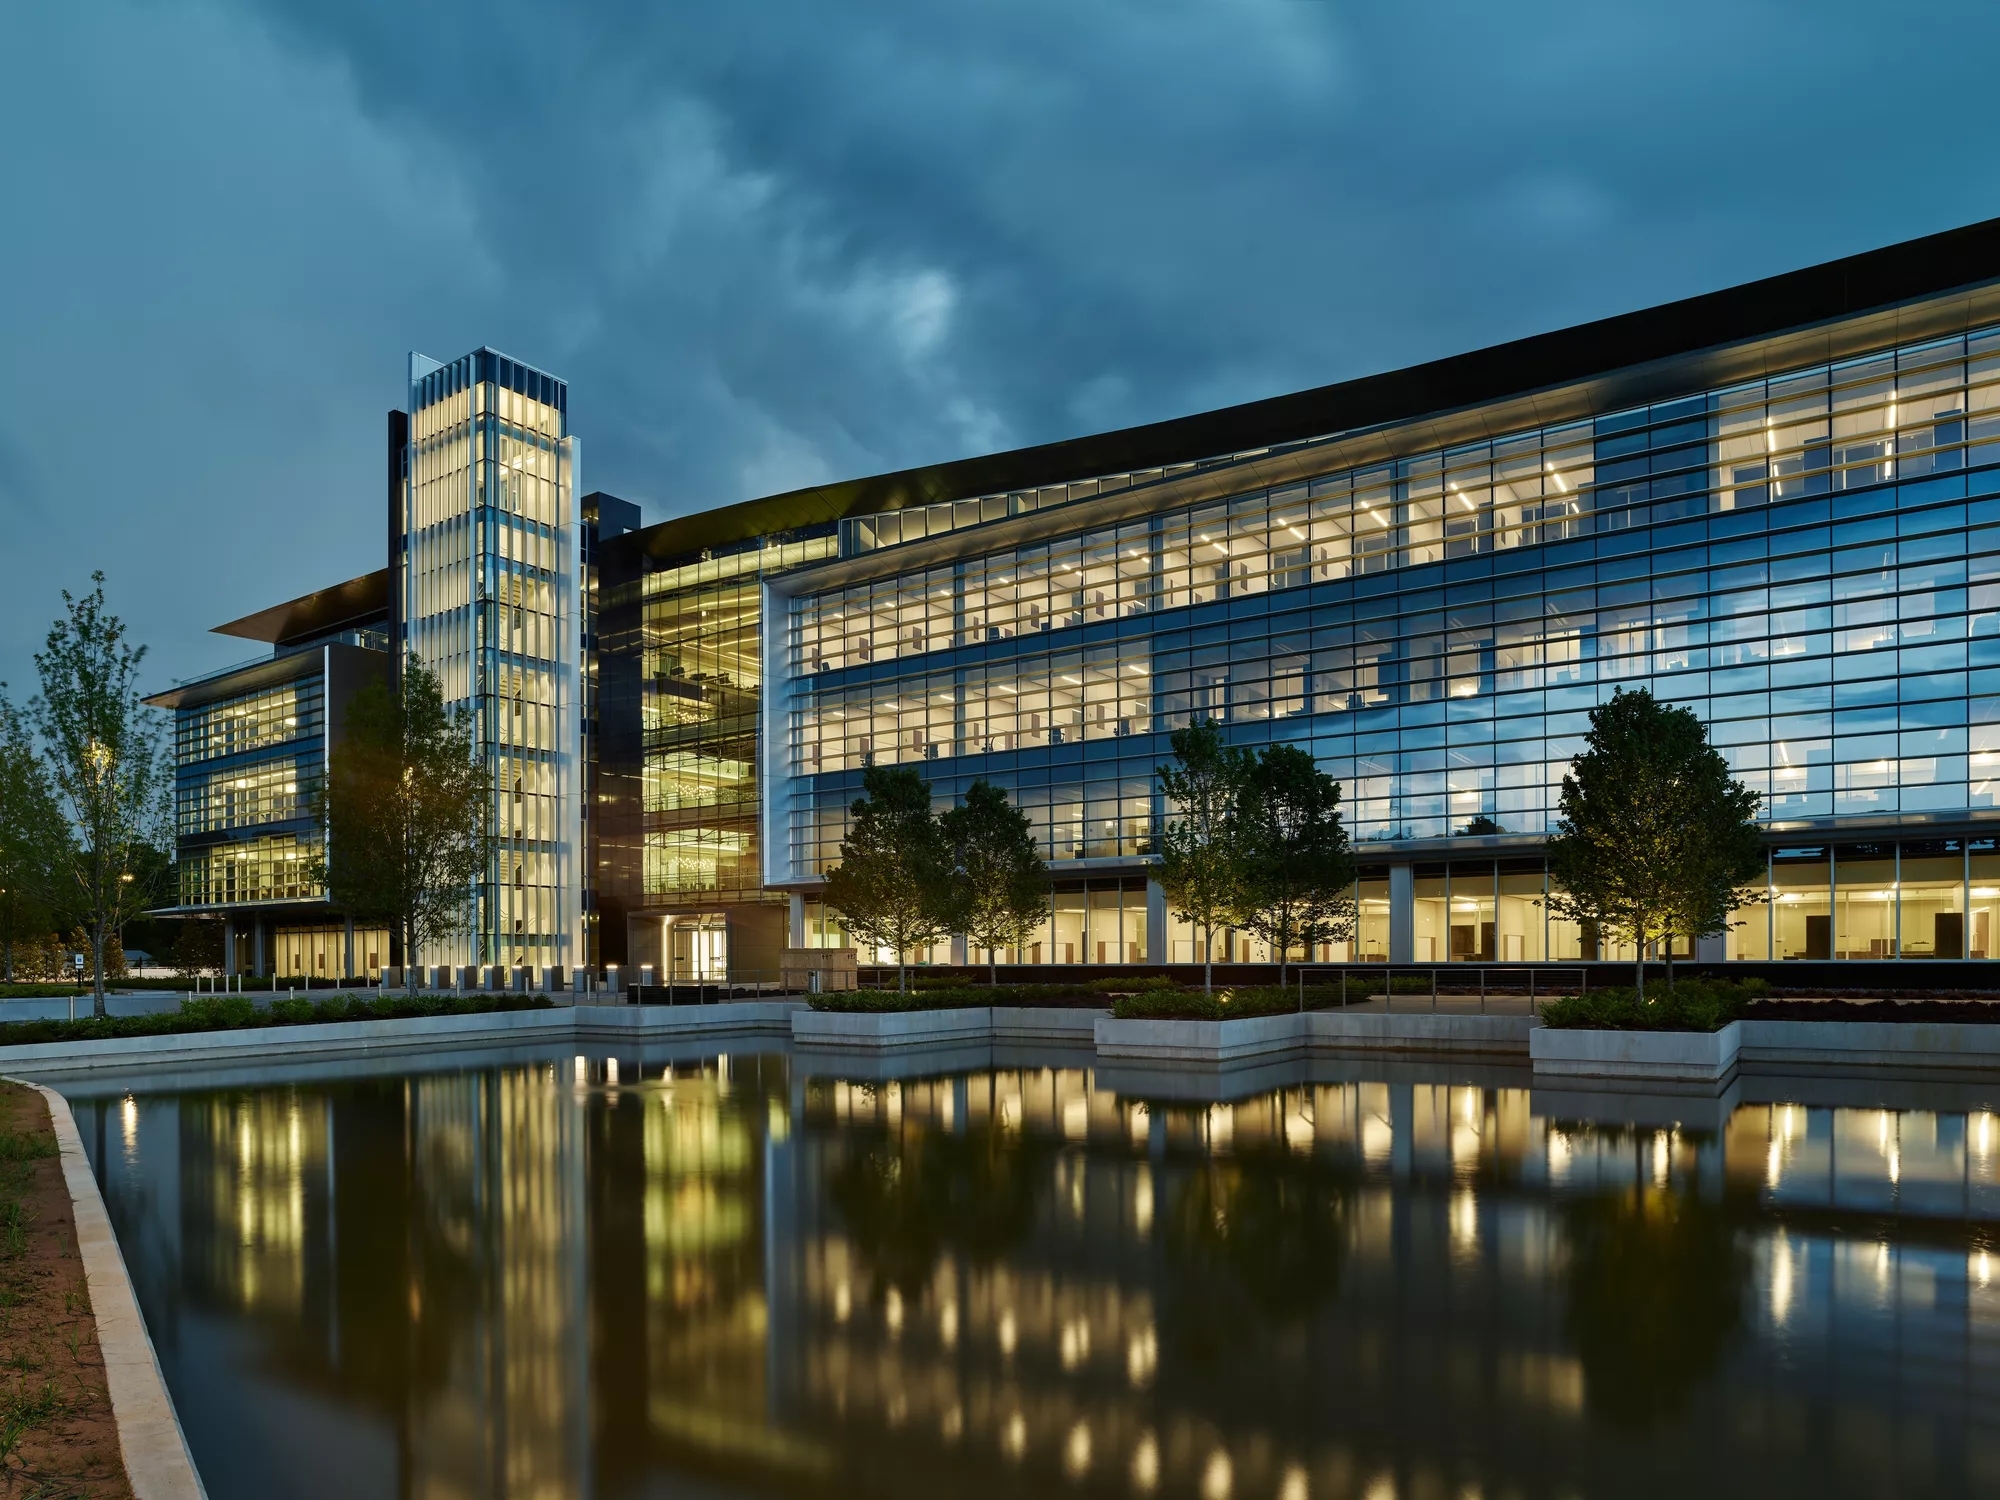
{"type": "Point", "coordinates": [497, 1284]}
{"type": "Point", "coordinates": [249, 1162]}
{"type": "Point", "coordinates": [707, 1138]}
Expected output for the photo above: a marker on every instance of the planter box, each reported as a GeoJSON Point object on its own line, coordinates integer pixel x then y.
{"type": "Point", "coordinates": [1872, 1044]}
{"type": "Point", "coordinates": [910, 1028]}
{"type": "Point", "coordinates": [1067, 1026]}
{"type": "Point", "coordinates": [1375, 1031]}
{"type": "Point", "coordinates": [1201, 1042]}
{"type": "Point", "coordinates": [267, 1044]}
{"type": "Point", "coordinates": [1665, 1056]}
{"type": "Point", "coordinates": [642, 1022]}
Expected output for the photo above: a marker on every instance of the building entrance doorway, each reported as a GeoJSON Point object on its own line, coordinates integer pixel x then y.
{"type": "Point", "coordinates": [698, 947]}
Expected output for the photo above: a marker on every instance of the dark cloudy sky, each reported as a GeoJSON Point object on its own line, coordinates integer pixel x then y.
{"type": "Point", "coordinates": [791, 240]}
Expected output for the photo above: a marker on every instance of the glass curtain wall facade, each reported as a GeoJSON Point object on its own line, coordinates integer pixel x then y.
{"type": "Point", "coordinates": [1810, 561]}
{"type": "Point", "coordinates": [699, 695]}
{"type": "Point", "coordinates": [486, 575]}
{"type": "Point", "coordinates": [251, 747]}
{"type": "Point", "coordinates": [246, 768]}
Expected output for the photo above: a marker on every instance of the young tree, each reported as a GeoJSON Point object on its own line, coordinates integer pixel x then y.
{"type": "Point", "coordinates": [102, 748]}
{"type": "Point", "coordinates": [1199, 848]}
{"type": "Point", "coordinates": [1655, 836]}
{"type": "Point", "coordinates": [893, 882]}
{"type": "Point", "coordinates": [1297, 872]}
{"type": "Point", "coordinates": [1000, 885]}
{"type": "Point", "coordinates": [33, 838]}
{"type": "Point", "coordinates": [197, 949]}
{"type": "Point", "coordinates": [407, 813]}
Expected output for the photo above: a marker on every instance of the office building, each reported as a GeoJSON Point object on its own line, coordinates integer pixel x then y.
{"type": "Point", "coordinates": [486, 563]}
{"type": "Point", "coordinates": [1777, 505]}
{"type": "Point", "coordinates": [251, 747]}
{"type": "Point", "coordinates": [490, 583]}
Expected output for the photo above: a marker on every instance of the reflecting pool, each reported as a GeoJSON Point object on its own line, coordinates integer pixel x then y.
{"type": "Point", "coordinates": [612, 1276]}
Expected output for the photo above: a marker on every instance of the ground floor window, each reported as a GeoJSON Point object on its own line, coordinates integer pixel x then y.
{"type": "Point", "coordinates": [321, 952]}
{"type": "Point", "coordinates": [1907, 899]}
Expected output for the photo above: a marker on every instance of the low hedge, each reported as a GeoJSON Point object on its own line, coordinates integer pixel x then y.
{"type": "Point", "coordinates": [1237, 1004]}
{"type": "Point", "coordinates": [1688, 1005]}
{"type": "Point", "coordinates": [957, 997]}
{"type": "Point", "coordinates": [239, 1012]}
{"type": "Point", "coordinates": [40, 991]}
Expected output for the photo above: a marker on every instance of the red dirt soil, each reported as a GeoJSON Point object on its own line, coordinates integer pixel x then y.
{"type": "Point", "coordinates": [52, 1388]}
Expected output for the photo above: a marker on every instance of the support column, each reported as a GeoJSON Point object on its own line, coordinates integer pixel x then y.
{"type": "Point", "coordinates": [1157, 947]}
{"type": "Point", "coordinates": [795, 929]}
{"type": "Point", "coordinates": [257, 947]}
{"type": "Point", "coordinates": [1402, 914]}
{"type": "Point", "coordinates": [229, 945]}
{"type": "Point", "coordinates": [347, 970]}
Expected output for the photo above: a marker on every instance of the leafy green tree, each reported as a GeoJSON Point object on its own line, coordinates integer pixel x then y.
{"type": "Point", "coordinates": [406, 812]}
{"type": "Point", "coordinates": [197, 949]}
{"type": "Point", "coordinates": [1655, 837]}
{"type": "Point", "coordinates": [1295, 868]}
{"type": "Point", "coordinates": [1000, 886]}
{"type": "Point", "coordinates": [1200, 848]}
{"type": "Point", "coordinates": [893, 882]}
{"type": "Point", "coordinates": [102, 747]}
{"type": "Point", "coordinates": [33, 837]}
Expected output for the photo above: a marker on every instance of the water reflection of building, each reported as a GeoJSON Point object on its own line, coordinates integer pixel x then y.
{"type": "Point", "coordinates": [1448, 1321]}
{"type": "Point", "coordinates": [584, 1278]}
{"type": "Point", "coordinates": [498, 1171]}
{"type": "Point", "coordinates": [711, 1139]}
{"type": "Point", "coordinates": [246, 1161]}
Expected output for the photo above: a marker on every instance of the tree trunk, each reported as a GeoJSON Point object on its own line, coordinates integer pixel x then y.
{"type": "Point", "coordinates": [97, 949]}
{"type": "Point", "coordinates": [992, 970]}
{"type": "Point", "coordinates": [1640, 948]}
{"type": "Point", "coordinates": [902, 974]}
{"type": "Point", "coordinates": [1667, 949]}
{"type": "Point", "coordinates": [1207, 960]}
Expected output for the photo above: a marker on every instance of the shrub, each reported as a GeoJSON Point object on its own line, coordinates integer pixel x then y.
{"type": "Point", "coordinates": [1240, 1004]}
{"type": "Point", "coordinates": [891, 1002]}
{"type": "Point", "coordinates": [1135, 984]}
{"type": "Point", "coordinates": [1688, 1005]}
{"type": "Point", "coordinates": [1169, 1005]}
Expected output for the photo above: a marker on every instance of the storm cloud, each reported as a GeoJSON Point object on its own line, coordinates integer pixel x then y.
{"type": "Point", "coordinates": [785, 242]}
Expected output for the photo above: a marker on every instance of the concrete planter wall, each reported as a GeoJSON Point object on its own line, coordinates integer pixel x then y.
{"type": "Point", "coordinates": [1871, 1044]}
{"type": "Point", "coordinates": [1200, 1042]}
{"type": "Point", "coordinates": [1666, 1056]}
{"type": "Point", "coordinates": [416, 1033]}
{"type": "Point", "coordinates": [1066, 1027]}
{"type": "Point", "coordinates": [331, 1038]}
{"type": "Point", "coordinates": [814, 1028]}
{"type": "Point", "coordinates": [1344, 1031]}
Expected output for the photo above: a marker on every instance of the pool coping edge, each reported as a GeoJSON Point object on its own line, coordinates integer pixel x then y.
{"type": "Point", "coordinates": [158, 1465]}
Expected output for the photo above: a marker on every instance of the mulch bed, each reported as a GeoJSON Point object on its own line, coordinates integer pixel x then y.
{"type": "Point", "coordinates": [57, 1434]}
